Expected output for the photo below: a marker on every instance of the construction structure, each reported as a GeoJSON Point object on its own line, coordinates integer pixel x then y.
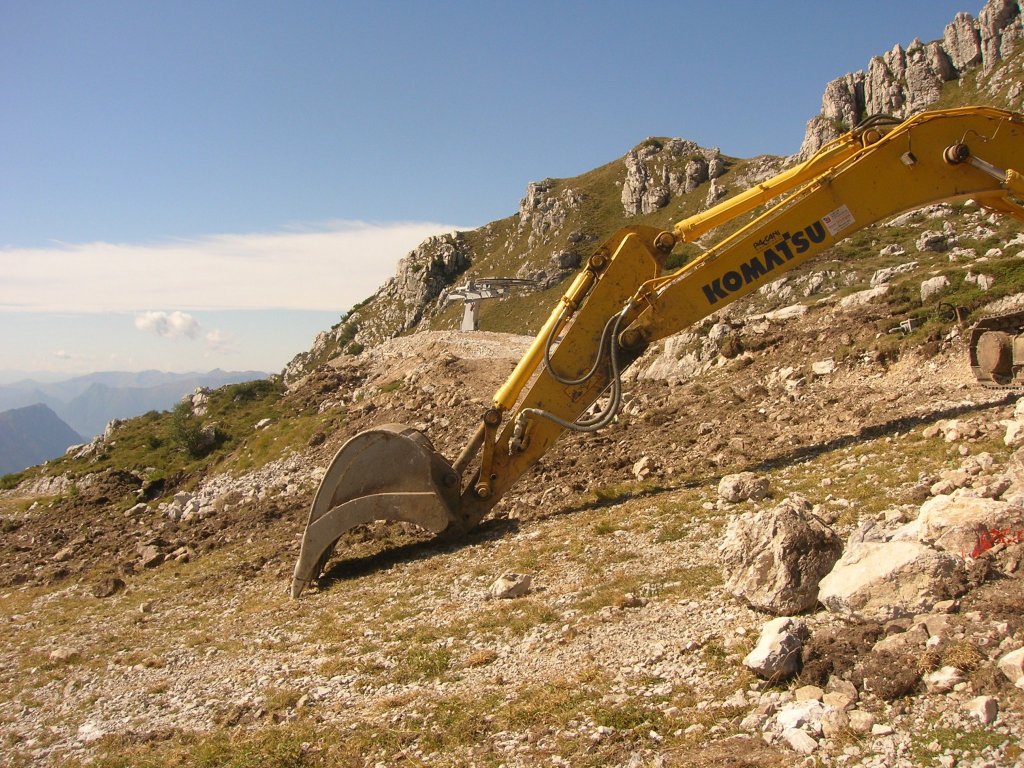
{"type": "Point", "coordinates": [475, 291]}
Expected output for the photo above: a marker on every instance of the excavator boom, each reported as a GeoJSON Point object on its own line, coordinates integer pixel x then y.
{"type": "Point", "coordinates": [623, 300]}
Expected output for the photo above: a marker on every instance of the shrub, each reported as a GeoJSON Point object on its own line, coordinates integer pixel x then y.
{"type": "Point", "coordinates": [188, 433]}
{"type": "Point", "coordinates": [250, 390]}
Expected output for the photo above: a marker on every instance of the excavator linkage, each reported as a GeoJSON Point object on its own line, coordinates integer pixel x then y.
{"type": "Point", "coordinates": [417, 486]}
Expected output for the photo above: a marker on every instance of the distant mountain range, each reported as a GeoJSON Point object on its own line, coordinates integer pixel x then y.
{"type": "Point", "coordinates": [31, 435]}
{"type": "Point", "coordinates": [87, 403]}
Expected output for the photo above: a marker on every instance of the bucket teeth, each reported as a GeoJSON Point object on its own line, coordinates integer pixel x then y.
{"type": "Point", "coordinates": [391, 473]}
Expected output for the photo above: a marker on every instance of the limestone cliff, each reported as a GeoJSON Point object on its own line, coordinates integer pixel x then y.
{"type": "Point", "coordinates": [902, 81]}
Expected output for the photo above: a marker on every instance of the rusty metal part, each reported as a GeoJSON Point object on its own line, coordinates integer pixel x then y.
{"type": "Point", "coordinates": [390, 473]}
{"type": "Point", "coordinates": [995, 348]}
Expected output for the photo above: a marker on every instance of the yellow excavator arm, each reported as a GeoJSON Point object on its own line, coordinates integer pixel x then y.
{"type": "Point", "coordinates": [623, 300]}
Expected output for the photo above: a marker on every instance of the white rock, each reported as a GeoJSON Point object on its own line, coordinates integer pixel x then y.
{"type": "Point", "coordinates": [861, 298]}
{"type": "Point", "coordinates": [90, 732]}
{"type": "Point", "coordinates": [984, 708]}
{"type": "Point", "coordinates": [883, 276]}
{"type": "Point", "coordinates": [933, 287]}
{"type": "Point", "coordinates": [787, 313]}
{"type": "Point", "coordinates": [510, 585]}
{"type": "Point", "coordinates": [884, 580]}
{"type": "Point", "coordinates": [801, 714]}
{"type": "Point", "coordinates": [943, 680]}
{"type": "Point", "coordinates": [1014, 435]}
{"type": "Point", "coordinates": [861, 721]}
{"type": "Point", "coordinates": [773, 559]}
{"type": "Point", "coordinates": [823, 367]}
{"type": "Point", "coordinates": [952, 523]}
{"type": "Point", "coordinates": [799, 741]}
{"type": "Point", "coordinates": [1012, 665]}
{"type": "Point", "coordinates": [742, 486]}
{"type": "Point", "coordinates": [777, 653]}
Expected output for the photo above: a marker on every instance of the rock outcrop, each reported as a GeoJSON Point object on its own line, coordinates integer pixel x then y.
{"type": "Point", "coordinates": [904, 81]}
{"type": "Point", "coordinates": [658, 170]}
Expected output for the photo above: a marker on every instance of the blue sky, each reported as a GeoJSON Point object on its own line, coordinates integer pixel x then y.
{"type": "Point", "coordinates": [261, 166]}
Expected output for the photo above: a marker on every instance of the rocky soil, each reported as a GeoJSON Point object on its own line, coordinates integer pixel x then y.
{"type": "Point", "coordinates": [164, 635]}
{"type": "Point", "coordinates": [799, 544]}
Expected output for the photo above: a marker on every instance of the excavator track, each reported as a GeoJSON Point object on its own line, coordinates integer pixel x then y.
{"type": "Point", "coordinates": [995, 349]}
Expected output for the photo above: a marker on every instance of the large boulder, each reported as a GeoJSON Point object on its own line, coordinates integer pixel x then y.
{"type": "Point", "coordinates": [955, 523]}
{"type": "Point", "coordinates": [773, 559]}
{"type": "Point", "coordinates": [882, 580]}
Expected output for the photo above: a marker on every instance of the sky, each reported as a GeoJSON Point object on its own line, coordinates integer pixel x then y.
{"type": "Point", "coordinates": [207, 184]}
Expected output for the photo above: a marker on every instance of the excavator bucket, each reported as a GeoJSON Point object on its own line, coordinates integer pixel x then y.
{"type": "Point", "coordinates": [390, 473]}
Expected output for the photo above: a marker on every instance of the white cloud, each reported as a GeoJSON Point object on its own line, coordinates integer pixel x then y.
{"type": "Point", "coordinates": [169, 325]}
{"type": "Point", "coordinates": [219, 341]}
{"type": "Point", "coordinates": [330, 268]}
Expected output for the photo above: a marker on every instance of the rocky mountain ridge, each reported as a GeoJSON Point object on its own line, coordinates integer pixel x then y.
{"type": "Point", "coordinates": [902, 81]}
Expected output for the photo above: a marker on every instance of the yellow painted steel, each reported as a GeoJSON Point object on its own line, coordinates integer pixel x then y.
{"type": "Point", "coordinates": [693, 227]}
{"type": "Point", "coordinates": [903, 170]}
{"type": "Point", "coordinates": [506, 395]}
{"type": "Point", "coordinates": [1015, 182]}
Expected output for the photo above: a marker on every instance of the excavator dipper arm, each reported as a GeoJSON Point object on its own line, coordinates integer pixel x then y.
{"type": "Point", "coordinates": [623, 300]}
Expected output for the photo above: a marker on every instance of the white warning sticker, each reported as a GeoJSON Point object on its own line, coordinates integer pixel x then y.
{"type": "Point", "coordinates": [838, 220]}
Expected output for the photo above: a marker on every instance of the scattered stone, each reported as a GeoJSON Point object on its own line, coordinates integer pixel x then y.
{"type": "Point", "coordinates": [107, 587]}
{"type": "Point", "coordinates": [800, 714]}
{"type": "Point", "coordinates": [1012, 665]}
{"type": "Point", "coordinates": [936, 242]}
{"type": "Point", "coordinates": [837, 684]}
{"type": "Point", "coordinates": [837, 700]}
{"type": "Point", "coordinates": [643, 468]}
{"type": "Point", "coordinates": [65, 655]}
{"type": "Point", "coordinates": [808, 693]}
{"type": "Point", "coordinates": [138, 510]}
{"type": "Point", "coordinates": [861, 721]}
{"type": "Point", "coordinates": [89, 733]}
{"type": "Point", "coordinates": [776, 656]}
{"type": "Point", "coordinates": [834, 722]}
{"type": "Point", "coordinates": [912, 640]}
{"type": "Point", "coordinates": [799, 741]}
{"type": "Point", "coordinates": [861, 298]}
{"type": "Point", "coordinates": [943, 680]}
{"type": "Point", "coordinates": [984, 708]}
{"type": "Point", "coordinates": [742, 486]}
{"type": "Point", "coordinates": [823, 367]}
{"type": "Point", "coordinates": [882, 276]}
{"type": "Point", "coordinates": [510, 585]}
{"type": "Point", "coordinates": [150, 556]}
